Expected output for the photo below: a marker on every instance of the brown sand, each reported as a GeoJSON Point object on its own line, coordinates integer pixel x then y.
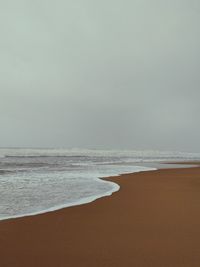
{"type": "Point", "coordinates": [154, 220]}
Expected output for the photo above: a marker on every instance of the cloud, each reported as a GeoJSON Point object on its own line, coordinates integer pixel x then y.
{"type": "Point", "coordinates": [107, 74]}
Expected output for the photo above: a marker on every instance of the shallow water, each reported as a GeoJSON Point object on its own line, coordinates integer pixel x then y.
{"type": "Point", "coordinates": [33, 181]}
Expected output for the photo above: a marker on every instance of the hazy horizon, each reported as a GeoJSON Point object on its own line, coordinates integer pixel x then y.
{"type": "Point", "coordinates": [100, 74]}
{"type": "Point", "coordinates": [96, 149]}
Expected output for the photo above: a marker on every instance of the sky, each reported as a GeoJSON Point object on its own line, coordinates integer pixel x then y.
{"type": "Point", "coordinates": [107, 74]}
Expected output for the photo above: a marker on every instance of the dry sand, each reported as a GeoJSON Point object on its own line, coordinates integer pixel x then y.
{"type": "Point", "coordinates": [154, 220]}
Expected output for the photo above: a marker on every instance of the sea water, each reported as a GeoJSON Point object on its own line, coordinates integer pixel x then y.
{"type": "Point", "coordinates": [34, 181]}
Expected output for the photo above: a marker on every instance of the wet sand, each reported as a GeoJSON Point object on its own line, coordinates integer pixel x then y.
{"type": "Point", "coordinates": [154, 220]}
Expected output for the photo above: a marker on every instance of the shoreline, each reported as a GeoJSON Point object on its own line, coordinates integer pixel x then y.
{"type": "Point", "coordinates": [82, 201]}
{"type": "Point", "coordinates": [152, 221]}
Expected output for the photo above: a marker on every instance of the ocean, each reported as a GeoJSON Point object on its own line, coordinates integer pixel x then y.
{"type": "Point", "coordinates": [34, 181]}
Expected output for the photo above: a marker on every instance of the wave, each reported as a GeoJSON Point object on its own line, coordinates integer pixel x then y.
{"type": "Point", "coordinates": [85, 200]}
{"type": "Point", "coordinates": [34, 181]}
{"type": "Point", "coordinates": [38, 194]}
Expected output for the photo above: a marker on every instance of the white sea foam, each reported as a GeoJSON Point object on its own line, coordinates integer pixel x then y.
{"type": "Point", "coordinates": [34, 181]}
{"type": "Point", "coordinates": [82, 201]}
{"type": "Point", "coordinates": [28, 194]}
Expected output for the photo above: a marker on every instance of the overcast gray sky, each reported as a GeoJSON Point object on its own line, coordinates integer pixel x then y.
{"type": "Point", "coordinates": [100, 74]}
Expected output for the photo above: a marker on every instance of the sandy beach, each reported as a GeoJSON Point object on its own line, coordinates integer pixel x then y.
{"type": "Point", "coordinates": [154, 220]}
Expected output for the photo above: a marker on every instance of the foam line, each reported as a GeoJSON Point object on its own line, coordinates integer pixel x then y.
{"type": "Point", "coordinates": [115, 188]}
